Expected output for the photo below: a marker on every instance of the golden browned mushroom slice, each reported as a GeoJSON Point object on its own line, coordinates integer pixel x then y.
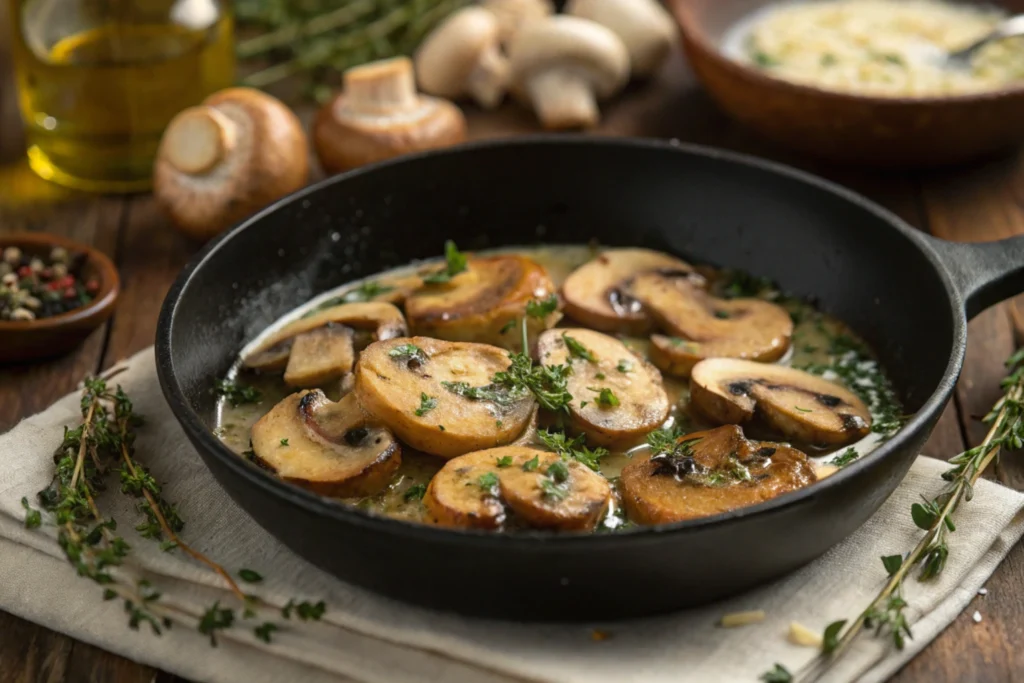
{"type": "Point", "coordinates": [437, 396]}
{"type": "Point", "coordinates": [272, 354]}
{"type": "Point", "coordinates": [707, 473]}
{"type": "Point", "coordinates": [594, 293]}
{"type": "Point", "coordinates": [705, 327]}
{"type": "Point", "coordinates": [464, 493]}
{"type": "Point", "coordinates": [554, 494]}
{"type": "Point", "coordinates": [796, 404]}
{"type": "Point", "coordinates": [539, 487]}
{"type": "Point", "coordinates": [334, 449]}
{"type": "Point", "coordinates": [319, 356]}
{"type": "Point", "coordinates": [484, 303]}
{"type": "Point", "coordinates": [618, 398]}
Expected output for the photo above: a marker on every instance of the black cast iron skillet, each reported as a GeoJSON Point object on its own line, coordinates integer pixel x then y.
{"type": "Point", "coordinates": [910, 296]}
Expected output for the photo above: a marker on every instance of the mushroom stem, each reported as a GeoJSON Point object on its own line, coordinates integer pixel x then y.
{"type": "Point", "coordinates": [198, 139]}
{"type": "Point", "coordinates": [563, 99]}
{"type": "Point", "coordinates": [489, 78]}
{"type": "Point", "coordinates": [382, 87]}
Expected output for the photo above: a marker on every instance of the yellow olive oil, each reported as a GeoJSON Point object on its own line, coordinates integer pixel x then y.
{"type": "Point", "coordinates": [99, 80]}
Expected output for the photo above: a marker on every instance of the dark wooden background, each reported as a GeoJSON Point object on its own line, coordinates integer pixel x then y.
{"type": "Point", "coordinates": [979, 202]}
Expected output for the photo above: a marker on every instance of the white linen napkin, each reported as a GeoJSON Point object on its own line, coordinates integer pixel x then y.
{"type": "Point", "coordinates": [367, 638]}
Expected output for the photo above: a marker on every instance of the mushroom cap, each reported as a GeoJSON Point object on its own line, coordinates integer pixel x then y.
{"type": "Point", "coordinates": [512, 15]}
{"type": "Point", "coordinates": [794, 403]}
{"type": "Point", "coordinates": [448, 56]}
{"type": "Point", "coordinates": [583, 47]}
{"type": "Point", "coordinates": [645, 27]}
{"type": "Point", "coordinates": [643, 403]}
{"type": "Point", "coordinates": [653, 493]}
{"type": "Point", "coordinates": [380, 116]}
{"type": "Point", "coordinates": [262, 156]}
{"type": "Point", "coordinates": [334, 449]}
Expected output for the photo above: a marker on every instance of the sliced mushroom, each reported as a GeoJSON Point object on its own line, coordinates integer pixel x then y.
{"type": "Point", "coordinates": [595, 292]}
{"type": "Point", "coordinates": [705, 327]}
{"type": "Point", "coordinates": [641, 403]}
{"type": "Point", "coordinates": [462, 56]}
{"type": "Point", "coordinates": [795, 404]}
{"type": "Point", "coordinates": [483, 304]}
{"type": "Point", "coordinates": [573, 498]}
{"type": "Point", "coordinates": [709, 473]}
{"type": "Point", "coordinates": [563, 65]}
{"type": "Point", "coordinates": [273, 353]}
{"type": "Point", "coordinates": [645, 27]}
{"type": "Point", "coordinates": [397, 378]}
{"type": "Point", "coordinates": [539, 487]}
{"type": "Point", "coordinates": [334, 449]}
{"type": "Point", "coordinates": [458, 497]}
{"type": "Point", "coordinates": [320, 356]}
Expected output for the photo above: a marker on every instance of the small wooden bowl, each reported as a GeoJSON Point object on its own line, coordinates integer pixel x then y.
{"type": "Point", "coordinates": [881, 131]}
{"type": "Point", "coordinates": [24, 340]}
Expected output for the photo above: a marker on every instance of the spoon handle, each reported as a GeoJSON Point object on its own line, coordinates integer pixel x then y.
{"type": "Point", "coordinates": [1010, 28]}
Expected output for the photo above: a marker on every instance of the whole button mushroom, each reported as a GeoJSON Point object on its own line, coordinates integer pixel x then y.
{"type": "Point", "coordinates": [380, 115]}
{"type": "Point", "coordinates": [225, 159]}
{"type": "Point", "coordinates": [463, 57]}
{"type": "Point", "coordinates": [643, 25]}
{"type": "Point", "coordinates": [563, 65]}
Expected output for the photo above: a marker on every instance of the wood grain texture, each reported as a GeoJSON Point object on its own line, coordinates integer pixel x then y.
{"type": "Point", "coordinates": [962, 204]}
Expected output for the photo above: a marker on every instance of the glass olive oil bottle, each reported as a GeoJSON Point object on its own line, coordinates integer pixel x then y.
{"type": "Point", "coordinates": [99, 80]}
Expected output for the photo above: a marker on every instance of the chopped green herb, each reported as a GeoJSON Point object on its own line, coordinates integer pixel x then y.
{"type": "Point", "coordinates": [284, 442]}
{"type": "Point", "coordinates": [427, 403]}
{"type": "Point", "coordinates": [531, 464]}
{"type": "Point", "coordinates": [829, 59]}
{"type": "Point", "coordinates": [552, 490]}
{"type": "Point", "coordinates": [763, 59]}
{"type": "Point", "coordinates": [574, 448]}
{"type": "Point", "coordinates": [605, 397]}
{"type": "Point", "coordinates": [499, 424]}
{"type": "Point", "coordinates": [777, 674]}
{"type": "Point", "coordinates": [249, 576]}
{"type": "Point", "coordinates": [236, 393]}
{"type": "Point", "coordinates": [487, 481]}
{"type": "Point", "coordinates": [507, 326]}
{"type": "Point", "coordinates": [547, 383]}
{"type": "Point", "coordinates": [415, 492]}
{"type": "Point", "coordinates": [583, 404]}
{"type": "Point", "coordinates": [455, 263]}
{"type": "Point", "coordinates": [365, 292]}
{"type": "Point", "coordinates": [740, 284]}
{"type": "Point", "coordinates": [624, 366]}
{"type": "Point", "coordinates": [504, 461]}
{"type": "Point", "coordinates": [441, 427]}
{"type": "Point", "coordinates": [722, 315]}
{"type": "Point", "coordinates": [558, 471]}
{"type": "Point", "coordinates": [600, 375]}
{"type": "Point", "coordinates": [33, 518]}
{"type": "Point", "coordinates": [499, 394]}
{"type": "Point", "coordinates": [845, 458]}
{"type": "Point", "coordinates": [408, 353]}
{"type": "Point", "coordinates": [577, 350]}
{"type": "Point", "coordinates": [541, 309]}
{"type": "Point", "coordinates": [264, 630]}
{"type": "Point", "coordinates": [803, 410]}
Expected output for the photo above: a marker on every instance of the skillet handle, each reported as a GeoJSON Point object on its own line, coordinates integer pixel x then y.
{"type": "Point", "coordinates": [984, 273]}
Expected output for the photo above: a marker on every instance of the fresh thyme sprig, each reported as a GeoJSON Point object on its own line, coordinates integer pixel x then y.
{"type": "Point", "coordinates": [885, 614]}
{"type": "Point", "coordinates": [86, 455]}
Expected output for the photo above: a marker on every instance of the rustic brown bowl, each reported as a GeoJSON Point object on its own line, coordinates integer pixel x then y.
{"type": "Point", "coordinates": [843, 127]}
{"type": "Point", "coordinates": [32, 339]}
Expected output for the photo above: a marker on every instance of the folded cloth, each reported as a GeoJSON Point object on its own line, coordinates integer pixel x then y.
{"type": "Point", "coordinates": [365, 637]}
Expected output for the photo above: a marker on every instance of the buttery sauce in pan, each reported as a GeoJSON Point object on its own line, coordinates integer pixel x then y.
{"type": "Point", "coordinates": [820, 344]}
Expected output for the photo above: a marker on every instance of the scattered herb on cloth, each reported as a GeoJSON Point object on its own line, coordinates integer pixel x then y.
{"type": "Point", "coordinates": [90, 458]}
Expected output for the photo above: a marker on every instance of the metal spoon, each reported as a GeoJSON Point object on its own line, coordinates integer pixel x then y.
{"type": "Point", "coordinates": [1010, 28]}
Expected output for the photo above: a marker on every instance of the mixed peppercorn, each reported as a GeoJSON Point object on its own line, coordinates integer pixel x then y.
{"type": "Point", "coordinates": [32, 287]}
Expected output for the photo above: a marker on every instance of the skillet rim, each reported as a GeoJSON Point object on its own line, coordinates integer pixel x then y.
{"type": "Point", "coordinates": [312, 503]}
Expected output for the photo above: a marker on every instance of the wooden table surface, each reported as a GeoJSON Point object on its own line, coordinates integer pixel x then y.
{"type": "Point", "coordinates": [978, 202]}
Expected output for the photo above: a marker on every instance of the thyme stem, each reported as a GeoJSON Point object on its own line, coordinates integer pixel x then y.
{"type": "Point", "coordinates": [1007, 429]}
